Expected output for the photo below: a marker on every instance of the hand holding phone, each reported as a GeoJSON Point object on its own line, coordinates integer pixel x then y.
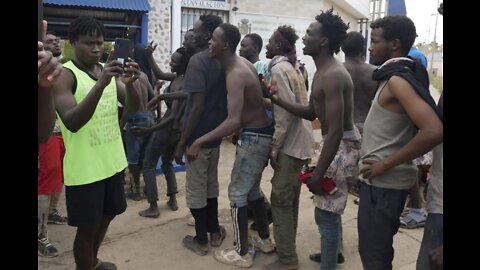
{"type": "Point", "coordinates": [121, 50]}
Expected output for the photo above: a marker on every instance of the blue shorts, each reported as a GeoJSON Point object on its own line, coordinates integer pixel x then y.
{"type": "Point", "coordinates": [136, 144]}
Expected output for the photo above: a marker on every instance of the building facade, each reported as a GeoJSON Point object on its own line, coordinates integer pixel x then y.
{"type": "Point", "coordinates": [433, 52]}
{"type": "Point", "coordinates": [251, 16]}
{"type": "Point", "coordinates": [165, 21]}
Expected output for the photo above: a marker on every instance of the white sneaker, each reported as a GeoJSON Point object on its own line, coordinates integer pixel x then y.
{"type": "Point", "coordinates": [231, 257]}
{"type": "Point", "coordinates": [265, 245]}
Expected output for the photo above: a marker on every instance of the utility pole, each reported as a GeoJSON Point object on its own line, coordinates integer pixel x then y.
{"type": "Point", "coordinates": [434, 41]}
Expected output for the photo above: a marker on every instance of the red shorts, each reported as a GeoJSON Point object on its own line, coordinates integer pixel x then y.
{"type": "Point", "coordinates": [50, 158]}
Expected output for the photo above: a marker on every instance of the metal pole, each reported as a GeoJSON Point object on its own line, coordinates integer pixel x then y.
{"type": "Point", "coordinates": [434, 41]}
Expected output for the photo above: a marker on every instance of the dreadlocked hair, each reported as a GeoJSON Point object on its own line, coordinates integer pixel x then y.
{"type": "Point", "coordinates": [334, 28]}
{"type": "Point", "coordinates": [87, 26]}
{"type": "Point", "coordinates": [289, 34]}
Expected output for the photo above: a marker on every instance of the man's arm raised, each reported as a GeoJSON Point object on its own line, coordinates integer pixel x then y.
{"type": "Point", "coordinates": [49, 70]}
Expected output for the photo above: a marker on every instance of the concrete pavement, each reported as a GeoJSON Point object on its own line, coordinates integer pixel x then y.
{"type": "Point", "coordinates": [137, 243]}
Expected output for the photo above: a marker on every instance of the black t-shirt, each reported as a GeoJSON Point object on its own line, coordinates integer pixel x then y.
{"type": "Point", "coordinates": [205, 74]}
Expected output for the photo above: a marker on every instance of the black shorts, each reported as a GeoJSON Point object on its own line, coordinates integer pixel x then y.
{"type": "Point", "coordinates": [87, 204]}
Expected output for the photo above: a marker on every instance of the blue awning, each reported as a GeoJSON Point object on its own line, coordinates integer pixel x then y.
{"type": "Point", "coordinates": [132, 5]}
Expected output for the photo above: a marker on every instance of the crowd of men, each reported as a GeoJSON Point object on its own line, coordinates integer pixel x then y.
{"type": "Point", "coordinates": [375, 120]}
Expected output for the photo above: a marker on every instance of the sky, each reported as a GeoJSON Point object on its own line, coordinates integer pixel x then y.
{"type": "Point", "coordinates": [422, 14]}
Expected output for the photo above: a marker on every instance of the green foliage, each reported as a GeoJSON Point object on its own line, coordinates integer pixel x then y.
{"type": "Point", "coordinates": [67, 53]}
{"type": "Point", "coordinates": [68, 50]}
{"type": "Point", "coordinates": [107, 47]}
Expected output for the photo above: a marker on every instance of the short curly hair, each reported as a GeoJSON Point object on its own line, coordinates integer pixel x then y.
{"type": "Point", "coordinates": [334, 28]}
{"type": "Point", "coordinates": [210, 22]}
{"type": "Point", "coordinates": [256, 39]}
{"type": "Point", "coordinates": [289, 34]}
{"type": "Point", "coordinates": [231, 35]}
{"type": "Point", "coordinates": [183, 61]}
{"type": "Point", "coordinates": [397, 27]}
{"type": "Point", "coordinates": [354, 44]}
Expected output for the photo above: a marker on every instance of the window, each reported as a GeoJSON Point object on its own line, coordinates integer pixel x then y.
{"type": "Point", "coordinates": [191, 15]}
{"type": "Point", "coordinates": [378, 9]}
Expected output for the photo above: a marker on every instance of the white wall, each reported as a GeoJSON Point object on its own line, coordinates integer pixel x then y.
{"type": "Point", "coordinates": [159, 31]}
{"type": "Point", "coordinates": [264, 17]}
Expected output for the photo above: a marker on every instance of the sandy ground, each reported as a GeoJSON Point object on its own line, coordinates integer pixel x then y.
{"type": "Point", "coordinates": [138, 243]}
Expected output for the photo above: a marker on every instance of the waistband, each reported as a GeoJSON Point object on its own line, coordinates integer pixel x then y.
{"type": "Point", "coordinates": [256, 134]}
{"type": "Point", "coordinates": [140, 115]}
{"type": "Point", "coordinates": [352, 135]}
{"type": "Point", "coordinates": [136, 120]}
{"type": "Point", "coordinates": [266, 130]}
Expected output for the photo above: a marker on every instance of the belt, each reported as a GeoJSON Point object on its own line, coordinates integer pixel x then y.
{"type": "Point", "coordinates": [256, 134]}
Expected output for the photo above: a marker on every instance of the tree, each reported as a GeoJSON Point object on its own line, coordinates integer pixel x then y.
{"type": "Point", "coordinates": [68, 53]}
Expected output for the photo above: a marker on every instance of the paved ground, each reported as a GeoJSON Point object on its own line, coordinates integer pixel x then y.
{"type": "Point", "coordinates": [137, 243]}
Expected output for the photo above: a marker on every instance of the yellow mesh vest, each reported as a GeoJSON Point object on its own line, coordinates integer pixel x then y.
{"type": "Point", "coordinates": [94, 152]}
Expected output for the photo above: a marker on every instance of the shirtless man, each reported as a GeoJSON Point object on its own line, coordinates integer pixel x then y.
{"type": "Point", "coordinates": [163, 141]}
{"type": "Point", "coordinates": [138, 117]}
{"type": "Point", "coordinates": [157, 71]}
{"type": "Point", "coordinates": [331, 101]}
{"type": "Point", "coordinates": [246, 110]}
{"type": "Point", "coordinates": [364, 86]}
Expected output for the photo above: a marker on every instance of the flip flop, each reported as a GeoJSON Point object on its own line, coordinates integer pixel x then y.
{"type": "Point", "coordinates": [148, 213]}
{"type": "Point", "coordinates": [192, 244]}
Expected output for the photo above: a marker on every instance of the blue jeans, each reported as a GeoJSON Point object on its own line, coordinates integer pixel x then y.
{"type": "Point", "coordinates": [136, 144]}
{"type": "Point", "coordinates": [378, 221]}
{"type": "Point", "coordinates": [330, 228]}
{"type": "Point", "coordinates": [432, 238]}
{"type": "Point", "coordinates": [251, 155]}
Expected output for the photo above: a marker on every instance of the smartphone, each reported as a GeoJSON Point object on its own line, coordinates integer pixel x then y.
{"type": "Point", "coordinates": [40, 20]}
{"type": "Point", "coordinates": [121, 50]}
